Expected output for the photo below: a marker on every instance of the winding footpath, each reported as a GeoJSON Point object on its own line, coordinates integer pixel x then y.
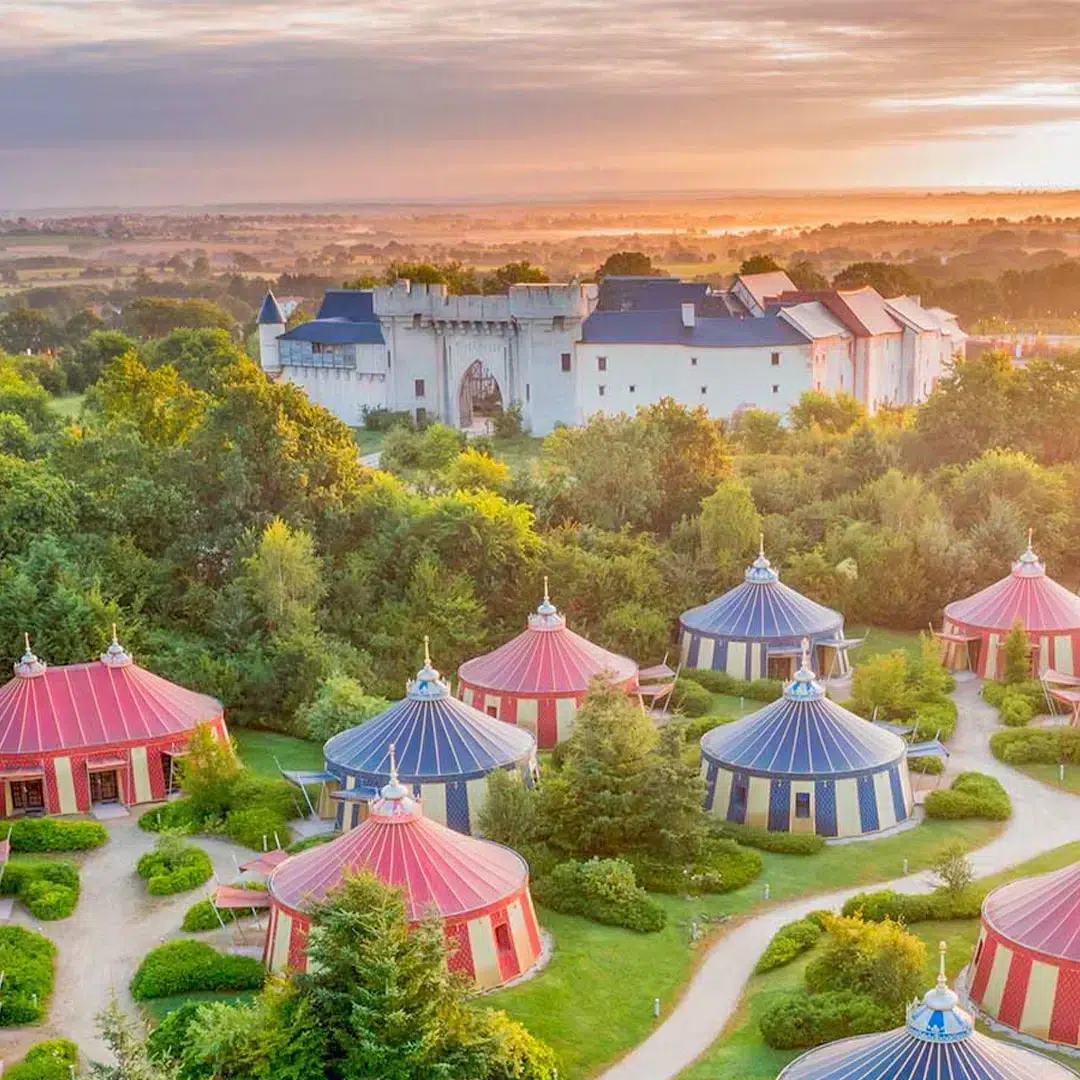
{"type": "Point", "coordinates": [1043, 819]}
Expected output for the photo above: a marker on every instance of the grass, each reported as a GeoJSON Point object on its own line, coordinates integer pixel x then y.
{"type": "Point", "coordinates": [741, 1051]}
{"type": "Point", "coordinates": [1048, 774]}
{"type": "Point", "coordinates": [67, 406]}
{"type": "Point", "coordinates": [881, 641]}
{"type": "Point", "coordinates": [159, 1008]}
{"type": "Point", "coordinates": [368, 442]}
{"type": "Point", "coordinates": [595, 999]}
{"type": "Point", "coordinates": [258, 749]}
{"type": "Point", "coordinates": [518, 452]}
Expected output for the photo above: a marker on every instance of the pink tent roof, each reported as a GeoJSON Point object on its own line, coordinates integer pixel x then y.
{"type": "Point", "coordinates": [1039, 913]}
{"type": "Point", "coordinates": [1027, 594]}
{"type": "Point", "coordinates": [438, 869]}
{"type": "Point", "coordinates": [546, 659]}
{"type": "Point", "coordinates": [105, 702]}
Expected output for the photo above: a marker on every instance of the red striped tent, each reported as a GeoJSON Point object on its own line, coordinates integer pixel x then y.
{"type": "Point", "coordinates": [538, 679]}
{"type": "Point", "coordinates": [478, 889]}
{"type": "Point", "coordinates": [1026, 970]}
{"type": "Point", "coordinates": [106, 731]}
{"type": "Point", "coordinates": [974, 630]}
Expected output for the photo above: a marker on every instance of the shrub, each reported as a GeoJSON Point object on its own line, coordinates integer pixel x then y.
{"type": "Point", "coordinates": [48, 834]}
{"type": "Point", "coordinates": [384, 419]}
{"type": "Point", "coordinates": [783, 843]}
{"type": "Point", "coordinates": [50, 890]}
{"type": "Point", "coordinates": [51, 1060]}
{"type": "Point", "coordinates": [339, 704]}
{"type": "Point", "coordinates": [934, 766]}
{"type": "Point", "coordinates": [935, 718]}
{"type": "Point", "coordinates": [603, 890]}
{"type": "Point", "coordinates": [174, 867]}
{"type": "Point", "coordinates": [258, 827]}
{"type": "Point", "coordinates": [806, 1021]}
{"type": "Point", "coordinates": [693, 730]}
{"type": "Point", "coordinates": [971, 795]}
{"type": "Point", "coordinates": [1016, 710]}
{"type": "Point", "coordinates": [509, 422]}
{"type": "Point", "coordinates": [719, 682]}
{"type": "Point", "coordinates": [789, 942]}
{"type": "Point", "coordinates": [690, 698]}
{"type": "Point", "coordinates": [993, 692]}
{"type": "Point", "coordinates": [940, 905]}
{"type": "Point", "coordinates": [174, 817]}
{"type": "Point", "coordinates": [188, 967]}
{"type": "Point", "coordinates": [48, 901]}
{"type": "Point", "coordinates": [718, 871]}
{"type": "Point", "coordinates": [1039, 746]}
{"type": "Point", "coordinates": [26, 959]}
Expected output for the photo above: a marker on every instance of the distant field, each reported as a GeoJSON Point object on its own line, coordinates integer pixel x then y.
{"type": "Point", "coordinates": [68, 406]}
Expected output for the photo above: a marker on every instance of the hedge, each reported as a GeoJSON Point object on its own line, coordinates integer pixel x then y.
{"type": "Point", "coordinates": [50, 890]}
{"type": "Point", "coordinates": [971, 795]}
{"type": "Point", "coordinates": [1016, 710]}
{"type": "Point", "coordinates": [935, 718]}
{"type": "Point", "coordinates": [51, 1060]}
{"type": "Point", "coordinates": [719, 682]}
{"type": "Point", "coordinates": [257, 828]}
{"type": "Point", "coordinates": [812, 1019]}
{"type": "Point", "coordinates": [603, 890]}
{"type": "Point", "coordinates": [188, 967]}
{"type": "Point", "coordinates": [47, 834]}
{"type": "Point", "coordinates": [782, 843]}
{"type": "Point", "coordinates": [174, 867]}
{"type": "Point", "coordinates": [691, 698]}
{"type": "Point", "coordinates": [789, 942]}
{"type": "Point", "coordinates": [935, 766]}
{"type": "Point", "coordinates": [202, 916]}
{"type": "Point", "coordinates": [175, 817]}
{"type": "Point", "coordinates": [1037, 746]}
{"type": "Point", "coordinates": [26, 959]}
{"type": "Point", "coordinates": [940, 906]}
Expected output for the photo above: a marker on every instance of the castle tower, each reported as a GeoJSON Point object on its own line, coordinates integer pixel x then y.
{"type": "Point", "coordinates": [271, 327]}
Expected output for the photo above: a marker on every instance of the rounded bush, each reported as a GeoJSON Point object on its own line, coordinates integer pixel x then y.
{"type": "Point", "coordinates": [809, 1020]}
{"type": "Point", "coordinates": [736, 865]}
{"type": "Point", "coordinates": [789, 942]}
{"type": "Point", "coordinates": [49, 889]}
{"type": "Point", "coordinates": [175, 817]}
{"type": "Point", "coordinates": [258, 825]}
{"type": "Point", "coordinates": [971, 795]}
{"type": "Point", "coordinates": [48, 901]}
{"type": "Point", "coordinates": [783, 843]}
{"type": "Point", "coordinates": [1016, 710]}
{"type": "Point", "coordinates": [603, 890]}
{"type": "Point", "coordinates": [719, 682]}
{"type": "Point", "coordinates": [1037, 746]}
{"type": "Point", "coordinates": [27, 961]}
{"type": "Point", "coordinates": [48, 834]}
{"type": "Point", "coordinates": [174, 867]}
{"type": "Point", "coordinates": [51, 1060]}
{"type": "Point", "coordinates": [690, 699]}
{"type": "Point", "coordinates": [935, 718]}
{"type": "Point", "coordinates": [188, 967]}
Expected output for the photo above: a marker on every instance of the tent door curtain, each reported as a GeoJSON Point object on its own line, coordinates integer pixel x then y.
{"type": "Point", "coordinates": [504, 949]}
{"type": "Point", "coordinates": [104, 786]}
{"type": "Point", "coordinates": [781, 667]}
{"type": "Point", "coordinates": [780, 806]}
{"type": "Point", "coordinates": [457, 806]}
{"type": "Point", "coordinates": [170, 771]}
{"type": "Point", "coordinates": [868, 808]}
{"type": "Point", "coordinates": [27, 796]}
{"type": "Point", "coordinates": [740, 788]}
{"type": "Point", "coordinates": [825, 808]}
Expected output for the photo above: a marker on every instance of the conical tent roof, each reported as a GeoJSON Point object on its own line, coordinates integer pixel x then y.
{"type": "Point", "coordinates": [802, 733]}
{"type": "Point", "coordinates": [438, 870]}
{"type": "Point", "coordinates": [110, 701]}
{"type": "Point", "coordinates": [1039, 913]}
{"type": "Point", "coordinates": [762, 607]}
{"type": "Point", "coordinates": [1027, 594]}
{"type": "Point", "coordinates": [547, 658]}
{"type": "Point", "coordinates": [938, 1042]}
{"type": "Point", "coordinates": [436, 737]}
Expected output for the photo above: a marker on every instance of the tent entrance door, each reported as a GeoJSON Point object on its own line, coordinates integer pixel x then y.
{"type": "Point", "coordinates": [104, 787]}
{"type": "Point", "coordinates": [27, 796]}
{"type": "Point", "coordinates": [170, 770]}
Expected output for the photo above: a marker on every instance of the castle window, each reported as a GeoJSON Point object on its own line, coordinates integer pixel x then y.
{"type": "Point", "coordinates": [566, 361]}
{"type": "Point", "coordinates": [527, 394]}
{"type": "Point", "coordinates": [601, 363]}
{"type": "Point", "coordinates": [558, 322]}
{"type": "Point", "coordinates": [388, 358]}
{"type": "Point", "coordinates": [600, 390]}
{"type": "Point", "coordinates": [704, 390]}
{"type": "Point", "coordinates": [775, 359]}
{"type": "Point", "coordinates": [633, 388]}
{"type": "Point", "coordinates": [776, 388]}
{"type": "Point", "coordinates": [416, 321]}
{"type": "Point", "coordinates": [418, 387]}
{"type": "Point", "coordinates": [693, 361]}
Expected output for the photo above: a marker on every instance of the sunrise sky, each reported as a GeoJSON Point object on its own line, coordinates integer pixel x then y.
{"type": "Point", "coordinates": [185, 101]}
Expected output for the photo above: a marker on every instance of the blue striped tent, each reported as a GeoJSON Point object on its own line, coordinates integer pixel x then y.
{"type": "Point", "coordinates": [804, 764]}
{"type": "Point", "coordinates": [444, 748]}
{"type": "Point", "coordinates": [938, 1042]}
{"type": "Point", "coordinates": [754, 631]}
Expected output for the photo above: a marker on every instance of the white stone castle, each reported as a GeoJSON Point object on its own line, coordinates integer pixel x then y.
{"type": "Point", "coordinates": [567, 352]}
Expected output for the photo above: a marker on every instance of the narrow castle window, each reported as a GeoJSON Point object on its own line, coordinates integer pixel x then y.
{"type": "Point", "coordinates": [418, 387]}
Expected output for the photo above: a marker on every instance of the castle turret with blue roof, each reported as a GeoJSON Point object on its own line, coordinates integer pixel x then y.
{"type": "Point", "coordinates": [804, 764]}
{"type": "Point", "coordinates": [271, 323]}
{"type": "Point", "coordinates": [938, 1042]}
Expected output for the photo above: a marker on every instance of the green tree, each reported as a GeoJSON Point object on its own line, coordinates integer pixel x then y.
{"type": "Point", "coordinates": [806, 276]}
{"type": "Point", "coordinates": [157, 316]}
{"type": "Point", "coordinates": [509, 813]}
{"type": "Point", "coordinates": [23, 396]}
{"type": "Point", "coordinates": [759, 264]}
{"type": "Point", "coordinates": [835, 414]}
{"type": "Point", "coordinates": [210, 772]}
{"type": "Point", "coordinates": [26, 329]}
{"type": "Point", "coordinates": [285, 578]}
{"type": "Point", "coordinates": [1016, 656]}
{"type": "Point", "coordinates": [953, 869]}
{"type": "Point", "coordinates": [890, 279]}
{"type": "Point", "coordinates": [472, 470]}
{"type": "Point", "coordinates": [340, 704]}
{"type": "Point", "coordinates": [730, 527]}
{"type": "Point", "coordinates": [757, 431]}
{"type": "Point", "coordinates": [671, 821]}
{"type": "Point", "coordinates": [514, 273]}
{"type": "Point", "coordinates": [131, 1059]}
{"type": "Point", "coordinates": [627, 264]}
{"type": "Point", "coordinates": [90, 356]}
{"type": "Point", "coordinates": [881, 683]}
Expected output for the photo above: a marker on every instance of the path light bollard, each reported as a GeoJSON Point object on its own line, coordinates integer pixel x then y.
{"type": "Point", "coordinates": [742, 704]}
{"type": "Point", "coordinates": [768, 891]}
{"type": "Point", "coordinates": [656, 1007]}
{"type": "Point", "coordinates": [905, 867]}
{"type": "Point", "coordinates": [1061, 773]}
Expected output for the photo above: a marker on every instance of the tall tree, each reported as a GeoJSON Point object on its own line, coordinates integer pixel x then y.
{"type": "Point", "coordinates": [627, 263]}
{"type": "Point", "coordinates": [759, 264]}
{"type": "Point", "coordinates": [285, 577]}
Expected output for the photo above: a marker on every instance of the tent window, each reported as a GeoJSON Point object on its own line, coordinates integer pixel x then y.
{"type": "Point", "coordinates": [739, 791]}
{"type": "Point", "coordinates": [492, 710]}
{"type": "Point", "coordinates": [802, 804]}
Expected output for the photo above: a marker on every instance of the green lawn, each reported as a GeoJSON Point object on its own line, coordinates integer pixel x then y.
{"type": "Point", "coordinates": [594, 1001]}
{"type": "Point", "coordinates": [157, 1009]}
{"type": "Point", "coordinates": [67, 407]}
{"type": "Point", "coordinates": [1048, 774]}
{"type": "Point", "coordinates": [369, 442]}
{"type": "Point", "coordinates": [258, 749]}
{"type": "Point", "coordinates": [517, 452]}
{"type": "Point", "coordinates": [741, 1051]}
{"type": "Point", "coordinates": [880, 640]}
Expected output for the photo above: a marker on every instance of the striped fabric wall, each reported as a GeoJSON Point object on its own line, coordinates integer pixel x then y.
{"type": "Point", "coordinates": [851, 806]}
{"type": "Point", "coordinates": [549, 719]}
{"type": "Point", "coordinates": [748, 659]}
{"type": "Point", "coordinates": [1055, 651]}
{"type": "Point", "coordinates": [1026, 992]}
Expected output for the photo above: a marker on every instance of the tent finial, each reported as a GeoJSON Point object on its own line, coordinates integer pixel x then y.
{"type": "Point", "coordinates": [806, 654]}
{"type": "Point", "coordinates": [547, 599]}
{"type": "Point", "coordinates": [1031, 536]}
{"type": "Point", "coordinates": [941, 979]}
{"type": "Point", "coordinates": [114, 638]}
{"type": "Point", "coordinates": [761, 545]}
{"type": "Point", "coordinates": [393, 766]}
{"type": "Point", "coordinates": [26, 640]}
{"type": "Point", "coordinates": [427, 651]}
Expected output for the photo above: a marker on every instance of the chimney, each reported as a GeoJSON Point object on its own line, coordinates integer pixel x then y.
{"type": "Point", "coordinates": [689, 315]}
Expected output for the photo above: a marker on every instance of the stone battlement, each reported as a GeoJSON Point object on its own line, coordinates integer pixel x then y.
{"type": "Point", "coordinates": [407, 299]}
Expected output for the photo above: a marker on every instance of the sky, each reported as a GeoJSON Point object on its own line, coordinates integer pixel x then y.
{"type": "Point", "coordinates": [154, 102]}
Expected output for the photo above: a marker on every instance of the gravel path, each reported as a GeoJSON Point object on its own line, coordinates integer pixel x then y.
{"type": "Point", "coordinates": [1043, 819]}
{"type": "Point", "coordinates": [115, 925]}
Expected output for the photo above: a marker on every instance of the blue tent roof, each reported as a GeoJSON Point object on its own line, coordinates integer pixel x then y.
{"type": "Point", "coordinates": [939, 1042]}
{"type": "Point", "coordinates": [270, 313]}
{"type": "Point", "coordinates": [802, 734]}
{"type": "Point", "coordinates": [762, 608]}
{"type": "Point", "coordinates": [435, 737]}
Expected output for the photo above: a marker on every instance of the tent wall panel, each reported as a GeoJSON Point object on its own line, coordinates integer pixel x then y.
{"type": "Point", "coordinates": [457, 806]}
{"type": "Point", "coordinates": [710, 769]}
{"type": "Point", "coordinates": [986, 953]}
{"type": "Point", "coordinates": [896, 787]}
{"type": "Point", "coordinates": [756, 668]}
{"type": "Point", "coordinates": [990, 653]}
{"type": "Point", "coordinates": [1016, 988]}
{"type": "Point", "coordinates": [757, 803]}
{"type": "Point", "coordinates": [433, 800]}
{"type": "Point", "coordinates": [547, 726]}
{"type": "Point", "coordinates": [519, 934]}
{"type": "Point", "coordinates": [526, 714]}
{"type": "Point", "coordinates": [565, 711]}
{"type": "Point", "coordinates": [1039, 1006]}
{"type": "Point", "coordinates": [802, 824]}
{"type": "Point", "coordinates": [693, 650]}
{"type": "Point", "coordinates": [825, 811]}
{"type": "Point", "coordinates": [883, 797]}
{"type": "Point", "coordinates": [1065, 1019]}
{"type": "Point", "coordinates": [1044, 653]}
{"type": "Point", "coordinates": [279, 957]}
{"type": "Point", "coordinates": [478, 793]}
{"type": "Point", "coordinates": [848, 818]}
{"type": "Point", "coordinates": [460, 959]}
{"type": "Point", "coordinates": [684, 648]}
{"type": "Point", "coordinates": [780, 806]}
{"type": "Point", "coordinates": [705, 653]}
{"type": "Point", "coordinates": [722, 798]}
{"type": "Point", "coordinates": [484, 956]}
{"type": "Point", "coordinates": [65, 786]}
{"type": "Point", "coordinates": [141, 773]}
{"type": "Point", "coordinates": [995, 985]}
{"type": "Point", "coordinates": [868, 809]}
{"type": "Point", "coordinates": [1063, 654]}
{"type": "Point", "coordinates": [736, 659]}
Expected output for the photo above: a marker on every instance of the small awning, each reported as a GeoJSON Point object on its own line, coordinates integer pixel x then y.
{"type": "Point", "coordinates": [792, 651]}
{"type": "Point", "coordinates": [5, 851]}
{"type": "Point", "coordinates": [356, 794]}
{"type": "Point", "coordinates": [903, 730]}
{"type": "Point", "coordinates": [107, 764]}
{"type": "Point", "coordinates": [23, 772]}
{"type": "Point", "coordinates": [1059, 677]}
{"type": "Point", "coordinates": [843, 643]}
{"type": "Point", "coordinates": [302, 778]}
{"type": "Point", "coordinates": [266, 862]}
{"type": "Point", "coordinates": [659, 671]}
{"type": "Point", "coordinates": [960, 639]}
{"type": "Point", "coordinates": [656, 690]}
{"type": "Point", "coordinates": [228, 896]}
{"type": "Point", "coordinates": [930, 748]}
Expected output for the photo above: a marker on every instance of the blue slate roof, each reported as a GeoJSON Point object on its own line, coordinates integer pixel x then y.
{"type": "Point", "coordinates": [346, 317]}
{"type": "Point", "coordinates": [939, 1042]}
{"type": "Point", "coordinates": [665, 327]}
{"type": "Point", "coordinates": [435, 738]}
{"type": "Point", "coordinates": [270, 313]}
{"type": "Point", "coordinates": [628, 293]}
{"type": "Point", "coordinates": [802, 734]}
{"type": "Point", "coordinates": [356, 305]}
{"type": "Point", "coordinates": [762, 608]}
